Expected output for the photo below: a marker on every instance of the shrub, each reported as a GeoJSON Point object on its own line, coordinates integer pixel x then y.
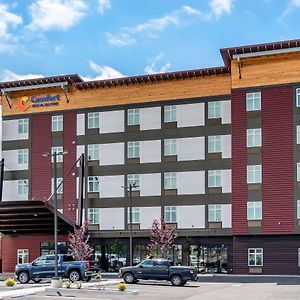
{"type": "Point", "coordinates": [98, 277]}
{"type": "Point", "coordinates": [9, 282]}
{"type": "Point", "coordinates": [79, 284]}
{"type": "Point", "coordinates": [122, 286]}
{"type": "Point", "coordinates": [68, 284]}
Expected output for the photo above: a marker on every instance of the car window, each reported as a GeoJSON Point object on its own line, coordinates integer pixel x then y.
{"type": "Point", "coordinates": [147, 264]}
{"type": "Point", "coordinates": [50, 259]}
{"type": "Point", "coordinates": [68, 258]}
{"type": "Point", "coordinates": [161, 263]}
{"type": "Point", "coordinates": [40, 260]}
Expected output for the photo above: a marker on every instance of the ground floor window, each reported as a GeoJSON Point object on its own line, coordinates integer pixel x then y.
{"type": "Point", "coordinates": [255, 257]}
{"type": "Point", "coordinates": [47, 248]}
{"type": "Point", "coordinates": [23, 256]}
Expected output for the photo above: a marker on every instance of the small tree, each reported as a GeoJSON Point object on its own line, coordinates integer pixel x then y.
{"type": "Point", "coordinates": [79, 243]}
{"type": "Point", "coordinates": [162, 237]}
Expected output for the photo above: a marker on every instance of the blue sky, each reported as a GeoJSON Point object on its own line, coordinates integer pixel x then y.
{"type": "Point", "coordinates": [100, 39]}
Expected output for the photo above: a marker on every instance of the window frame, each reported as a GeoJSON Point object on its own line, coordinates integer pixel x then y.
{"type": "Point", "coordinates": [297, 96]}
{"type": "Point", "coordinates": [254, 137]}
{"type": "Point", "coordinates": [22, 256]}
{"type": "Point", "coordinates": [255, 172]}
{"type": "Point", "coordinates": [57, 123]}
{"type": "Point", "coordinates": [133, 149]}
{"type": "Point", "coordinates": [93, 120]}
{"type": "Point", "coordinates": [170, 147]}
{"type": "Point", "coordinates": [59, 180]}
{"type": "Point", "coordinates": [23, 126]}
{"type": "Point", "coordinates": [214, 143]}
{"type": "Point", "coordinates": [214, 110]}
{"type": "Point", "coordinates": [214, 213]}
{"type": "Point", "coordinates": [170, 114]}
{"type": "Point", "coordinates": [172, 183]}
{"type": "Point", "coordinates": [23, 155]}
{"type": "Point", "coordinates": [216, 176]}
{"type": "Point", "coordinates": [257, 216]}
{"type": "Point", "coordinates": [94, 182]}
{"type": "Point", "coordinates": [60, 157]}
{"type": "Point", "coordinates": [134, 178]}
{"type": "Point", "coordinates": [255, 257]}
{"type": "Point", "coordinates": [170, 211]}
{"type": "Point", "coordinates": [23, 188]}
{"type": "Point", "coordinates": [93, 149]}
{"type": "Point", "coordinates": [95, 213]}
{"type": "Point", "coordinates": [136, 215]}
{"type": "Point", "coordinates": [133, 117]}
{"type": "Point", "coordinates": [251, 99]}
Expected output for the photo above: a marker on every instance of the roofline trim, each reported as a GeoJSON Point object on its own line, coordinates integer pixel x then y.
{"type": "Point", "coordinates": [37, 86]}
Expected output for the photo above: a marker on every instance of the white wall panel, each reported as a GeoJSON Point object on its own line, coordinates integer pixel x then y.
{"type": "Point", "coordinates": [80, 128]}
{"type": "Point", "coordinates": [11, 160]}
{"type": "Point", "coordinates": [226, 181]}
{"type": "Point", "coordinates": [191, 216]}
{"type": "Point", "coordinates": [190, 115]}
{"type": "Point", "coordinates": [77, 188]}
{"type": "Point", "coordinates": [112, 218]}
{"type": "Point", "coordinates": [150, 118]}
{"type": "Point", "coordinates": [111, 154]}
{"type": "Point", "coordinates": [190, 148]}
{"type": "Point", "coordinates": [10, 191]}
{"type": "Point", "coordinates": [191, 183]}
{"type": "Point", "coordinates": [148, 214]}
{"type": "Point", "coordinates": [150, 151]}
{"type": "Point", "coordinates": [80, 149]}
{"type": "Point", "coordinates": [150, 184]}
{"type": "Point", "coordinates": [226, 146]}
{"type": "Point", "coordinates": [111, 186]}
{"type": "Point", "coordinates": [112, 121]}
{"type": "Point", "coordinates": [226, 112]}
{"type": "Point", "coordinates": [10, 131]}
{"type": "Point", "coordinates": [226, 215]}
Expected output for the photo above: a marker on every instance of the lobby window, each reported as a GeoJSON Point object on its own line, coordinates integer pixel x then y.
{"type": "Point", "coordinates": [136, 215]}
{"type": "Point", "coordinates": [23, 126]}
{"type": "Point", "coordinates": [253, 101]}
{"type": "Point", "coordinates": [93, 120]}
{"type": "Point", "coordinates": [94, 215]}
{"type": "Point", "coordinates": [298, 97]}
{"type": "Point", "coordinates": [254, 137]}
{"type": "Point", "coordinates": [22, 256]}
{"type": "Point", "coordinates": [133, 149]}
{"type": "Point", "coordinates": [214, 110]}
{"type": "Point", "coordinates": [93, 184]}
{"type": "Point", "coordinates": [59, 157]}
{"type": "Point", "coordinates": [57, 123]}
{"type": "Point", "coordinates": [134, 179]}
{"type": "Point", "coordinates": [254, 174]}
{"type": "Point", "coordinates": [170, 114]}
{"type": "Point", "coordinates": [214, 213]}
{"type": "Point", "coordinates": [298, 209]}
{"type": "Point", "coordinates": [59, 185]}
{"type": "Point", "coordinates": [214, 178]}
{"type": "Point", "coordinates": [93, 152]}
{"type": "Point", "coordinates": [170, 214]}
{"type": "Point", "coordinates": [255, 257]}
{"type": "Point", "coordinates": [170, 181]}
{"type": "Point", "coordinates": [254, 210]}
{"type": "Point", "coordinates": [133, 117]}
{"type": "Point", "coordinates": [214, 144]}
{"type": "Point", "coordinates": [23, 187]}
{"type": "Point", "coordinates": [22, 156]}
{"type": "Point", "coordinates": [170, 147]}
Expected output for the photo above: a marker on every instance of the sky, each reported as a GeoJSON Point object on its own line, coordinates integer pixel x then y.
{"type": "Point", "coordinates": [101, 39]}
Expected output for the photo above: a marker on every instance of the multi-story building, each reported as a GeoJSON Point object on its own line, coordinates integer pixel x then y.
{"type": "Point", "coordinates": [215, 151]}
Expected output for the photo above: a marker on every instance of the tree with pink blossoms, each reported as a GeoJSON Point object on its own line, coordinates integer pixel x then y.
{"type": "Point", "coordinates": [79, 243]}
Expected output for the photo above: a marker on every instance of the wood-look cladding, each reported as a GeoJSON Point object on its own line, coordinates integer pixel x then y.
{"type": "Point", "coordinates": [122, 95]}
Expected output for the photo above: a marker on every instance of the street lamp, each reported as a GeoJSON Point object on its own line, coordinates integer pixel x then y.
{"type": "Point", "coordinates": [54, 155]}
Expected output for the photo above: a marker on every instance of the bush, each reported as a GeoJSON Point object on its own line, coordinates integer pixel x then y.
{"type": "Point", "coordinates": [9, 282]}
{"type": "Point", "coordinates": [98, 277]}
{"type": "Point", "coordinates": [68, 284]}
{"type": "Point", "coordinates": [122, 286]}
{"type": "Point", "coordinates": [79, 284]}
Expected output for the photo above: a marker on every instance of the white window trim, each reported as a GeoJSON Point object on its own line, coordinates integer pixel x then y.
{"type": "Point", "coordinates": [23, 184]}
{"type": "Point", "coordinates": [60, 157]}
{"type": "Point", "coordinates": [94, 149]}
{"type": "Point", "coordinates": [214, 144]}
{"type": "Point", "coordinates": [215, 209]}
{"type": "Point", "coordinates": [255, 171]}
{"type": "Point", "coordinates": [262, 257]}
{"type": "Point", "coordinates": [214, 110]}
{"type": "Point", "coordinates": [135, 210]}
{"type": "Point", "coordinates": [22, 156]}
{"type": "Point", "coordinates": [96, 182]}
{"type": "Point", "coordinates": [170, 210]}
{"type": "Point", "coordinates": [93, 120]}
{"type": "Point", "coordinates": [215, 174]}
{"type": "Point", "coordinates": [20, 252]}
{"type": "Point", "coordinates": [170, 147]}
{"type": "Point", "coordinates": [24, 124]}
{"type": "Point", "coordinates": [297, 97]}
{"type": "Point", "coordinates": [256, 205]}
{"type": "Point", "coordinates": [169, 112]}
{"type": "Point", "coordinates": [57, 123]}
{"type": "Point", "coordinates": [94, 212]}
{"type": "Point", "coordinates": [252, 135]}
{"type": "Point", "coordinates": [134, 178]}
{"type": "Point", "coordinates": [250, 101]}
{"type": "Point", "coordinates": [133, 117]}
{"type": "Point", "coordinates": [170, 176]}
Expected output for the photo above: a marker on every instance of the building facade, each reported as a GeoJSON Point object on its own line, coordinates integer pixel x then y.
{"type": "Point", "coordinates": [214, 151]}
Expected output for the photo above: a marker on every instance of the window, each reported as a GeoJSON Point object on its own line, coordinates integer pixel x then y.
{"type": "Point", "coordinates": [214, 110]}
{"type": "Point", "coordinates": [93, 152]}
{"type": "Point", "coordinates": [22, 156]}
{"type": "Point", "coordinates": [133, 149]}
{"type": "Point", "coordinates": [254, 210]}
{"type": "Point", "coordinates": [255, 257]}
{"type": "Point", "coordinates": [148, 264]}
{"type": "Point", "coordinates": [93, 184]}
{"type": "Point", "coordinates": [134, 179]}
{"type": "Point", "coordinates": [136, 212]}
{"type": "Point", "coordinates": [23, 125]}
{"type": "Point", "coordinates": [170, 147]}
{"type": "Point", "coordinates": [23, 187]}
{"type": "Point", "coordinates": [171, 214]}
{"type": "Point", "coordinates": [298, 171]}
{"type": "Point", "coordinates": [57, 123]}
{"type": "Point", "coordinates": [94, 215]}
{"type": "Point", "coordinates": [214, 178]}
{"type": "Point", "coordinates": [214, 144]}
{"type": "Point", "coordinates": [254, 137]}
{"type": "Point", "coordinates": [214, 213]}
{"type": "Point", "coordinates": [254, 174]}
{"type": "Point", "coordinates": [22, 255]}
{"type": "Point", "coordinates": [299, 257]}
{"type": "Point", "coordinates": [133, 116]}
{"type": "Point", "coordinates": [170, 114]}
{"type": "Point", "coordinates": [298, 97]}
{"type": "Point", "coordinates": [298, 134]}
{"type": "Point", "coordinates": [93, 120]}
{"type": "Point", "coordinates": [59, 157]}
{"type": "Point", "coordinates": [170, 181]}
{"type": "Point", "coordinates": [298, 209]}
{"type": "Point", "coordinates": [59, 185]}
{"type": "Point", "coordinates": [253, 101]}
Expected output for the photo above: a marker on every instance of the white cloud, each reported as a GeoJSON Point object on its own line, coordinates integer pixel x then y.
{"type": "Point", "coordinates": [103, 72]}
{"type": "Point", "coordinates": [291, 5]}
{"type": "Point", "coordinates": [58, 49]}
{"type": "Point", "coordinates": [220, 7]}
{"type": "Point", "coordinates": [152, 67]}
{"type": "Point", "coordinates": [56, 14]}
{"type": "Point", "coordinates": [122, 39]}
{"type": "Point", "coordinates": [104, 5]}
{"type": "Point", "coordinates": [7, 75]}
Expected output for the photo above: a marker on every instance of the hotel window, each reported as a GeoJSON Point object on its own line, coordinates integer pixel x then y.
{"type": "Point", "coordinates": [93, 152]}
{"type": "Point", "coordinates": [170, 147]}
{"type": "Point", "coordinates": [214, 144]}
{"type": "Point", "coordinates": [94, 215]}
{"type": "Point", "coordinates": [170, 214]}
{"type": "Point", "coordinates": [133, 149]}
{"type": "Point", "coordinates": [133, 117]}
{"type": "Point", "coordinates": [254, 174]}
{"type": "Point", "coordinates": [59, 157]}
{"type": "Point", "coordinates": [22, 256]}
{"type": "Point", "coordinates": [23, 187]}
{"type": "Point", "coordinates": [214, 213]}
{"type": "Point", "coordinates": [22, 156]}
{"type": "Point", "coordinates": [93, 184]}
{"type": "Point", "coordinates": [299, 257]}
{"type": "Point", "coordinates": [298, 209]}
{"type": "Point", "coordinates": [298, 97]}
{"type": "Point", "coordinates": [255, 257]}
{"type": "Point", "coordinates": [298, 134]}
{"type": "Point", "coordinates": [170, 181]}
{"type": "Point", "coordinates": [254, 210]}
{"type": "Point", "coordinates": [214, 178]}
{"type": "Point", "coordinates": [93, 120]}
{"type": "Point", "coordinates": [23, 126]}
{"type": "Point", "coordinates": [253, 101]}
{"type": "Point", "coordinates": [136, 214]}
{"type": "Point", "coordinates": [170, 114]}
{"type": "Point", "coordinates": [134, 179]}
{"type": "Point", "coordinates": [254, 137]}
{"type": "Point", "coordinates": [57, 123]}
{"type": "Point", "coordinates": [214, 110]}
{"type": "Point", "coordinates": [59, 185]}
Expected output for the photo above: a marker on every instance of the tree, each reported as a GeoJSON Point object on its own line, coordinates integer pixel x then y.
{"type": "Point", "coordinates": [162, 237]}
{"type": "Point", "coordinates": [79, 243]}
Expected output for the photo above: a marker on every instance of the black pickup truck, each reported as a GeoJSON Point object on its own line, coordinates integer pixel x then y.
{"type": "Point", "coordinates": [158, 269]}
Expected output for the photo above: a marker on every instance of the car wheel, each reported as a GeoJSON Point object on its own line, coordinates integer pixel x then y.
{"type": "Point", "coordinates": [129, 278]}
{"type": "Point", "coordinates": [176, 280]}
{"type": "Point", "coordinates": [74, 276]}
{"type": "Point", "coordinates": [23, 277]}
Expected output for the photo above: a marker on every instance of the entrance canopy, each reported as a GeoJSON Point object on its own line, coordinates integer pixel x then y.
{"type": "Point", "coordinates": [26, 217]}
